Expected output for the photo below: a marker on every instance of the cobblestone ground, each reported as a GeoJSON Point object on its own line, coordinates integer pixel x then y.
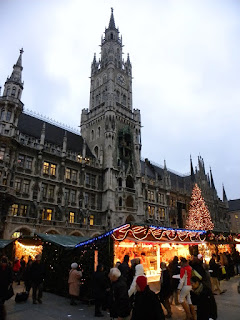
{"type": "Point", "coordinates": [58, 308]}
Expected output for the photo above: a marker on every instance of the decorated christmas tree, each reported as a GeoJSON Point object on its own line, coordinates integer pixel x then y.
{"type": "Point", "coordinates": [199, 217]}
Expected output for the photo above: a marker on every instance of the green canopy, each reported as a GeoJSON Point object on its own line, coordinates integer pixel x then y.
{"type": "Point", "coordinates": [4, 243]}
{"type": "Point", "coordinates": [62, 240]}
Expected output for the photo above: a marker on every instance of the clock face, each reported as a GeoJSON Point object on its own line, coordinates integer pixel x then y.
{"type": "Point", "coordinates": [120, 79]}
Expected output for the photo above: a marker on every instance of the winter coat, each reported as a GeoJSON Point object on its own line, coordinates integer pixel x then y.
{"type": "Point", "coordinates": [5, 279]}
{"type": "Point", "coordinates": [165, 282]}
{"type": "Point", "coordinates": [120, 303]}
{"type": "Point", "coordinates": [37, 272]}
{"type": "Point", "coordinates": [215, 267]}
{"type": "Point", "coordinates": [74, 282]}
{"type": "Point", "coordinates": [147, 306]}
{"type": "Point", "coordinates": [185, 276]}
{"type": "Point", "coordinates": [16, 266]}
{"type": "Point", "coordinates": [138, 272]}
{"type": "Point", "coordinates": [125, 272]}
{"type": "Point", "coordinates": [205, 302]}
{"type": "Point", "coordinates": [100, 284]}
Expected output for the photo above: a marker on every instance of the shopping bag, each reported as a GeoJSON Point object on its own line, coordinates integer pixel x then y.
{"type": "Point", "coordinates": [10, 292]}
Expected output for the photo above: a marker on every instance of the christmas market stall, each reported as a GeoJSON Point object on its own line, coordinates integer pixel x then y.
{"type": "Point", "coordinates": [27, 247]}
{"type": "Point", "coordinates": [57, 254]}
{"type": "Point", "coordinates": [153, 244]}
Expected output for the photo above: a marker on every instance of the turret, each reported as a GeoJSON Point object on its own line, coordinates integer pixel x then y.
{"type": "Point", "coordinates": [13, 86]}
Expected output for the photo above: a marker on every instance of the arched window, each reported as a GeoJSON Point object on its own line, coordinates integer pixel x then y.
{"type": "Point", "coordinates": [120, 202]}
{"type": "Point", "coordinates": [13, 91]}
{"type": "Point", "coordinates": [129, 202]}
{"type": "Point", "coordinates": [8, 91]}
{"type": "Point", "coordinates": [99, 132]}
{"type": "Point", "coordinates": [92, 135]}
{"type": "Point", "coordinates": [120, 182]}
{"type": "Point", "coordinates": [96, 151]}
{"type": "Point", "coordinates": [130, 182]}
{"type": "Point", "coordinates": [111, 36]}
{"type": "Point", "coordinates": [18, 93]}
{"type": "Point", "coordinates": [124, 100]}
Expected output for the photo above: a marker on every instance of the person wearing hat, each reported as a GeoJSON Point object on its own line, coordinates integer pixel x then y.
{"type": "Point", "coordinates": [147, 305]}
{"type": "Point", "coordinates": [74, 283]}
{"type": "Point", "coordinates": [37, 274]}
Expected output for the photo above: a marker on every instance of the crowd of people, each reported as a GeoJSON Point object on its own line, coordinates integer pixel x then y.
{"type": "Point", "coordinates": [31, 272]}
{"type": "Point", "coordinates": [124, 290]}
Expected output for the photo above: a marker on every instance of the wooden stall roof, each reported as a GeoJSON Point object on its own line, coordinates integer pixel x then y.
{"type": "Point", "coordinates": [4, 243]}
{"type": "Point", "coordinates": [151, 233]}
{"type": "Point", "coordinates": [62, 240]}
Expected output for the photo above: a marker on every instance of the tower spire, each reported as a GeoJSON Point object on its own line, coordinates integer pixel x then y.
{"type": "Point", "coordinates": [192, 171]}
{"type": "Point", "coordinates": [224, 195]}
{"type": "Point", "coordinates": [111, 22]}
{"type": "Point", "coordinates": [13, 86]}
{"type": "Point", "coordinates": [211, 179]}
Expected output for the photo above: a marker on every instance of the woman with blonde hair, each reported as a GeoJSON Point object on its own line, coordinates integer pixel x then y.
{"type": "Point", "coordinates": [74, 283]}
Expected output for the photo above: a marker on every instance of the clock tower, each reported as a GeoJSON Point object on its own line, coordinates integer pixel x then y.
{"type": "Point", "coordinates": [112, 130]}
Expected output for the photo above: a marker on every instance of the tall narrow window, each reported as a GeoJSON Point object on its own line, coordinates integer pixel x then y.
{"type": "Point", "coordinates": [68, 174]}
{"type": "Point", "coordinates": [46, 167]}
{"type": "Point", "coordinates": [2, 152]}
{"type": "Point", "coordinates": [13, 91]}
{"type": "Point", "coordinates": [44, 190]}
{"type": "Point", "coordinates": [21, 159]}
{"type": "Point", "coordinates": [53, 170]}
{"type": "Point", "coordinates": [74, 175]}
{"type": "Point", "coordinates": [71, 217]}
{"type": "Point", "coordinates": [28, 163]}
{"type": "Point", "coordinates": [23, 211]}
{"type": "Point", "coordinates": [8, 115]}
{"type": "Point", "coordinates": [91, 220]}
{"type": "Point", "coordinates": [51, 192]}
{"type": "Point", "coordinates": [26, 186]}
{"type": "Point", "coordinates": [14, 209]}
{"type": "Point", "coordinates": [73, 196]}
{"type": "Point", "coordinates": [18, 184]}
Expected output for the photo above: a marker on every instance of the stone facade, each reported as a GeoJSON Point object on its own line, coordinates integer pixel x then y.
{"type": "Point", "coordinates": [57, 181]}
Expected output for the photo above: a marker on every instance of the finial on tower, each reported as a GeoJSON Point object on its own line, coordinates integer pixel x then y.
{"type": "Point", "coordinates": [112, 22]}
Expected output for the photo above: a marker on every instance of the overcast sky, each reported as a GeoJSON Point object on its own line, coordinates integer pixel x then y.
{"type": "Point", "coordinates": [185, 59]}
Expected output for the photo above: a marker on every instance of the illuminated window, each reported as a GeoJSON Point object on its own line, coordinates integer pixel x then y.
{"type": "Point", "coordinates": [161, 213]}
{"type": "Point", "coordinates": [18, 184]}
{"type": "Point", "coordinates": [45, 167]}
{"type": "Point", "coordinates": [2, 152]}
{"type": "Point", "coordinates": [26, 185]}
{"type": "Point", "coordinates": [14, 209]}
{"type": "Point", "coordinates": [47, 214]}
{"type": "Point", "coordinates": [71, 217]}
{"type": "Point", "coordinates": [53, 170]}
{"type": "Point", "coordinates": [91, 220]}
{"type": "Point", "coordinates": [23, 211]}
{"type": "Point", "coordinates": [68, 174]}
{"type": "Point", "coordinates": [151, 211]}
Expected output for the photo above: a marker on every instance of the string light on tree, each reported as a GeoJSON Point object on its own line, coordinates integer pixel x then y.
{"type": "Point", "coordinates": [199, 217]}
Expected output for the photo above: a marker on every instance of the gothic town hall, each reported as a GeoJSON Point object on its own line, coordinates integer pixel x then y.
{"type": "Point", "coordinates": [53, 180]}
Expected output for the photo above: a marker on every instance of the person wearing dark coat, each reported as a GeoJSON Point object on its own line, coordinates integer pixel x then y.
{"type": "Point", "coordinates": [214, 267]}
{"type": "Point", "coordinates": [125, 270]}
{"type": "Point", "coordinates": [5, 280]}
{"type": "Point", "coordinates": [174, 269]}
{"type": "Point", "coordinates": [165, 289]}
{"type": "Point", "coordinates": [99, 289]}
{"type": "Point", "coordinates": [120, 302]}
{"type": "Point", "coordinates": [37, 277]}
{"type": "Point", "coordinates": [203, 298]}
{"type": "Point", "coordinates": [147, 305]}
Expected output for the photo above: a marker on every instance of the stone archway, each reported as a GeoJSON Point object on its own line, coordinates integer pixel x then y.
{"type": "Point", "coordinates": [51, 231]}
{"type": "Point", "coordinates": [22, 231]}
{"type": "Point", "coordinates": [130, 219]}
{"type": "Point", "coordinates": [76, 234]}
